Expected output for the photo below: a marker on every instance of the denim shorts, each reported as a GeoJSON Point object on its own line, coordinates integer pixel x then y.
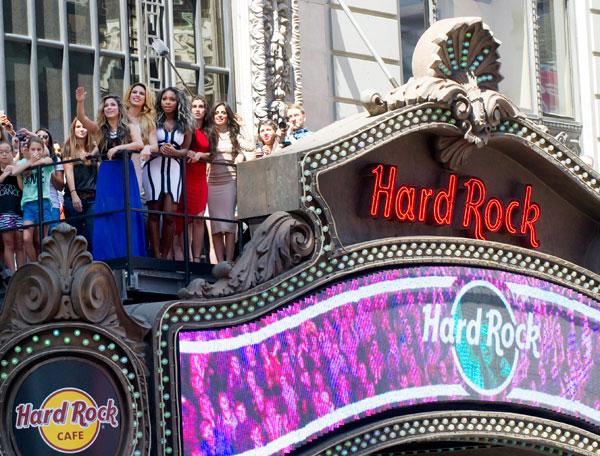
{"type": "Point", "coordinates": [31, 212]}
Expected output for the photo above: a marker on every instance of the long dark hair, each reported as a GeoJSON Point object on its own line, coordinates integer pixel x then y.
{"type": "Point", "coordinates": [123, 132]}
{"type": "Point", "coordinates": [183, 118]}
{"type": "Point", "coordinates": [50, 143]}
{"type": "Point", "coordinates": [207, 122]}
{"type": "Point", "coordinates": [232, 127]}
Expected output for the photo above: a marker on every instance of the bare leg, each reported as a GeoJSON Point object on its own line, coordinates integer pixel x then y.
{"type": "Point", "coordinates": [168, 228]}
{"type": "Point", "coordinates": [229, 246]}
{"type": "Point", "coordinates": [177, 248]}
{"type": "Point", "coordinates": [28, 241]}
{"type": "Point", "coordinates": [9, 250]}
{"type": "Point", "coordinates": [219, 246]}
{"type": "Point", "coordinates": [19, 253]}
{"type": "Point", "coordinates": [197, 227]}
{"type": "Point", "coordinates": [154, 228]}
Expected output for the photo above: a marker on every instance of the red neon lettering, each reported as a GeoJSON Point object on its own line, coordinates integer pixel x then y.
{"type": "Point", "coordinates": [473, 204]}
{"type": "Point", "coordinates": [408, 194]}
{"type": "Point", "coordinates": [509, 217]}
{"type": "Point", "coordinates": [494, 204]}
{"type": "Point", "coordinates": [531, 214]}
{"type": "Point", "coordinates": [481, 215]}
{"type": "Point", "coordinates": [448, 197]}
{"type": "Point", "coordinates": [425, 195]}
{"type": "Point", "coordinates": [386, 191]}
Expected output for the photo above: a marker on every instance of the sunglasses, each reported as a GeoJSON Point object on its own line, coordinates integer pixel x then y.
{"type": "Point", "coordinates": [44, 136]}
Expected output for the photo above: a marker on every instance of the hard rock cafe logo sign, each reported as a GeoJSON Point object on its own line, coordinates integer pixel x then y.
{"type": "Point", "coordinates": [486, 340]}
{"type": "Point", "coordinates": [69, 420]}
{"type": "Point", "coordinates": [478, 213]}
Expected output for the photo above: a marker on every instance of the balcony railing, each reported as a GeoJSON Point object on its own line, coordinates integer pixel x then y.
{"type": "Point", "coordinates": [131, 263]}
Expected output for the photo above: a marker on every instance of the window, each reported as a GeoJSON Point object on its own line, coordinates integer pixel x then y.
{"type": "Point", "coordinates": [47, 19]}
{"type": "Point", "coordinates": [199, 48]}
{"type": "Point", "coordinates": [202, 63]}
{"type": "Point", "coordinates": [555, 57]}
{"type": "Point", "coordinates": [78, 21]}
{"type": "Point", "coordinates": [81, 73]}
{"type": "Point", "coordinates": [412, 26]}
{"type": "Point", "coordinates": [213, 47]}
{"type": "Point", "coordinates": [18, 87]}
{"type": "Point", "coordinates": [15, 16]}
{"type": "Point", "coordinates": [111, 76]}
{"type": "Point", "coordinates": [50, 90]}
{"type": "Point", "coordinates": [109, 24]}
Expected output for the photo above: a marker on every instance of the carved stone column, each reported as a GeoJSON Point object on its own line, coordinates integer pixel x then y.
{"type": "Point", "coordinates": [275, 47]}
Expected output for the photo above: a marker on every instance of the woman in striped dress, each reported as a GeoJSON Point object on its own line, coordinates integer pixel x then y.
{"type": "Point", "coordinates": [162, 172]}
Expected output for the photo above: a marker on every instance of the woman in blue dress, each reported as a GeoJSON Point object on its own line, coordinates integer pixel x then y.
{"type": "Point", "coordinates": [115, 137]}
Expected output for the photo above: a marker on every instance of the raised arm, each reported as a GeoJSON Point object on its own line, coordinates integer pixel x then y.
{"type": "Point", "coordinates": [89, 124]}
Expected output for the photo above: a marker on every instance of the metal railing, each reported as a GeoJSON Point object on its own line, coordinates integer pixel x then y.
{"type": "Point", "coordinates": [128, 210]}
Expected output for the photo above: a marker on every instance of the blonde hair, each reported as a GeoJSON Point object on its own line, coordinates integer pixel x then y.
{"type": "Point", "coordinates": [147, 118]}
{"type": "Point", "coordinates": [71, 143]}
{"type": "Point", "coordinates": [295, 106]}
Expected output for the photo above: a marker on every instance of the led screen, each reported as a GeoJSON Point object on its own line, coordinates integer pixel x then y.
{"type": "Point", "coordinates": [388, 339]}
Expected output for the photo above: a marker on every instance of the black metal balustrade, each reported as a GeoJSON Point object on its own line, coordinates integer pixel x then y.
{"type": "Point", "coordinates": [131, 263]}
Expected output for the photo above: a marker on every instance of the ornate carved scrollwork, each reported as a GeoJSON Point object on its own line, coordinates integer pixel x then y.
{"type": "Point", "coordinates": [65, 284]}
{"type": "Point", "coordinates": [281, 242]}
{"type": "Point", "coordinates": [456, 63]}
{"type": "Point", "coordinates": [275, 47]}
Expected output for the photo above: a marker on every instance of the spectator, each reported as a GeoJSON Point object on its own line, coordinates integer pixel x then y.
{"type": "Point", "coordinates": [115, 138]}
{"type": "Point", "coordinates": [7, 131]}
{"type": "Point", "coordinates": [257, 436]}
{"type": "Point", "coordinates": [275, 424]}
{"type": "Point", "coordinates": [243, 439]}
{"type": "Point", "coordinates": [162, 172]}
{"type": "Point", "coordinates": [226, 420]}
{"type": "Point", "coordinates": [213, 441]}
{"type": "Point", "coordinates": [196, 187]}
{"type": "Point", "coordinates": [80, 198]}
{"type": "Point", "coordinates": [11, 216]}
{"type": "Point", "coordinates": [57, 180]}
{"type": "Point", "coordinates": [296, 117]}
{"type": "Point", "coordinates": [228, 146]}
{"type": "Point", "coordinates": [35, 154]}
{"type": "Point", "coordinates": [139, 101]}
{"type": "Point", "coordinates": [268, 139]}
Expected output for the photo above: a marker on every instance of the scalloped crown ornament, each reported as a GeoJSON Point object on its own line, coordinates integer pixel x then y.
{"type": "Point", "coordinates": [456, 62]}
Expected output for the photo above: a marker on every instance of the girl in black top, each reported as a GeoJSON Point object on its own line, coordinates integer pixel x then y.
{"type": "Point", "coordinates": [11, 216]}
{"type": "Point", "coordinates": [80, 196]}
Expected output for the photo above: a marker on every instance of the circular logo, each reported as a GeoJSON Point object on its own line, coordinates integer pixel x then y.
{"type": "Point", "coordinates": [67, 405]}
{"type": "Point", "coordinates": [485, 337]}
{"type": "Point", "coordinates": [71, 427]}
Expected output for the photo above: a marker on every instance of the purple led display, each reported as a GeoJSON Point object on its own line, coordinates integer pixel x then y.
{"type": "Point", "coordinates": [388, 339]}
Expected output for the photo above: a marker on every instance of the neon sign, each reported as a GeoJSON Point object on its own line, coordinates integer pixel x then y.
{"type": "Point", "coordinates": [480, 215]}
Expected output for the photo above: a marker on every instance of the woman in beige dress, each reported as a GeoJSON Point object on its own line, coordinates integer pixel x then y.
{"type": "Point", "coordinates": [228, 147]}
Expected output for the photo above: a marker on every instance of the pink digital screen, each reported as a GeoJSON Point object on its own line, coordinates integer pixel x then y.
{"type": "Point", "coordinates": [384, 340]}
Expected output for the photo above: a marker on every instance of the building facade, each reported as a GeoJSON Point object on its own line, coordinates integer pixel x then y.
{"type": "Point", "coordinates": [261, 54]}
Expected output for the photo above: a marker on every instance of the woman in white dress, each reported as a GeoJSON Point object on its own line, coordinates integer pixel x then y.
{"type": "Point", "coordinates": [162, 172]}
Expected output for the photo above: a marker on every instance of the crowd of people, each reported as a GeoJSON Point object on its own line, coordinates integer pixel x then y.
{"type": "Point", "coordinates": [243, 398]}
{"type": "Point", "coordinates": [141, 148]}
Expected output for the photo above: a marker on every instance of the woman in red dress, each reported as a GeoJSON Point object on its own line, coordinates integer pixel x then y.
{"type": "Point", "coordinates": [196, 189]}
